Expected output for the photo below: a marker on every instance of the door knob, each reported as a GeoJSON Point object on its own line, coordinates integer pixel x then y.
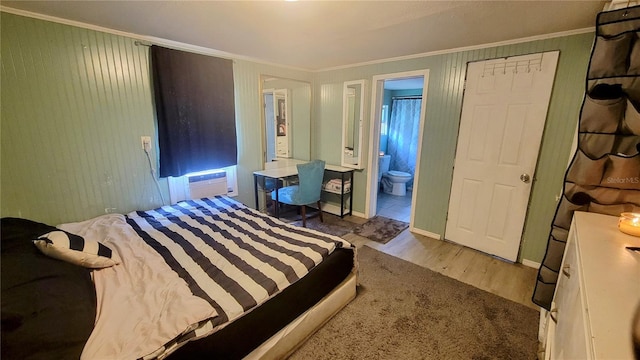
{"type": "Point", "coordinates": [525, 178]}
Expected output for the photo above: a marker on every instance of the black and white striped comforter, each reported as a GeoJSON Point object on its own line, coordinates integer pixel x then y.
{"type": "Point", "coordinates": [233, 257]}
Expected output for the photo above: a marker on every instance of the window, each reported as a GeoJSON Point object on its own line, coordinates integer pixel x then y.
{"type": "Point", "coordinates": [195, 109]}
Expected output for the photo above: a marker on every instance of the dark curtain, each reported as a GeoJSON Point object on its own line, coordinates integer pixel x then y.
{"type": "Point", "coordinates": [195, 109]}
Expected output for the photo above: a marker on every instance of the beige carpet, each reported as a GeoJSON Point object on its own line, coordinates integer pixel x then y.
{"type": "Point", "coordinates": [380, 229]}
{"type": "Point", "coordinates": [404, 311]}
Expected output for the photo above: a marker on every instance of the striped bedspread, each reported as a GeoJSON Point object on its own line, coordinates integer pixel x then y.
{"type": "Point", "coordinates": [188, 270]}
{"type": "Point", "coordinates": [233, 257]}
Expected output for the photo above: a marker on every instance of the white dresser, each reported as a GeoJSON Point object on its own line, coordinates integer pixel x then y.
{"type": "Point", "coordinates": [597, 293]}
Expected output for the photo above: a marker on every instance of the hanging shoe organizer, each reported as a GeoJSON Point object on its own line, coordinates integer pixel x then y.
{"type": "Point", "coordinates": [604, 175]}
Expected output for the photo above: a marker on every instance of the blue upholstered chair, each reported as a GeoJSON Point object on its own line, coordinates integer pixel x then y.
{"type": "Point", "coordinates": [307, 191]}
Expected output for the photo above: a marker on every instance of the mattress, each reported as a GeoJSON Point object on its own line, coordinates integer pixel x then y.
{"type": "Point", "coordinates": [157, 302]}
{"type": "Point", "coordinates": [191, 270]}
{"type": "Point", "coordinates": [246, 333]}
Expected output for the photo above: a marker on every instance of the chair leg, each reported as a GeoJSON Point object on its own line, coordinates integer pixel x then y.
{"type": "Point", "coordinates": [304, 215]}
{"type": "Point", "coordinates": [320, 210]}
{"type": "Point", "coordinates": [276, 209]}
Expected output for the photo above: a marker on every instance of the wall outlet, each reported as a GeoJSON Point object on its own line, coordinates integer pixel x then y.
{"type": "Point", "coordinates": [146, 143]}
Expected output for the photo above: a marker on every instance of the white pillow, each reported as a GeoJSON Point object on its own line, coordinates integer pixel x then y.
{"type": "Point", "coordinates": [76, 250]}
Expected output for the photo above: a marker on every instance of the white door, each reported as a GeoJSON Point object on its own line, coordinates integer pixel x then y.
{"type": "Point", "coordinates": [282, 124]}
{"type": "Point", "coordinates": [503, 115]}
{"type": "Point", "coordinates": [269, 125]}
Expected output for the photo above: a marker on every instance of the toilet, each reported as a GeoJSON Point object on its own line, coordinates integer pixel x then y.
{"type": "Point", "coordinates": [393, 182]}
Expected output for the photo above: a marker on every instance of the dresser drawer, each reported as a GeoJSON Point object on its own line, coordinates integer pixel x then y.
{"type": "Point", "coordinates": [569, 312]}
{"type": "Point", "coordinates": [596, 293]}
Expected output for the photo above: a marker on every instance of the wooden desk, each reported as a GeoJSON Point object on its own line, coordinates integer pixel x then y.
{"type": "Point", "coordinates": [288, 172]}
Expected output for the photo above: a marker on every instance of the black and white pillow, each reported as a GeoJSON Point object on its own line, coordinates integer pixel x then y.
{"type": "Point", "coordinates": [76, 250]}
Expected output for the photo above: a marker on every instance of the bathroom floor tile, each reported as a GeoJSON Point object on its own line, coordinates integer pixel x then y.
{"type": "Point", "coordinates": [394, 207]}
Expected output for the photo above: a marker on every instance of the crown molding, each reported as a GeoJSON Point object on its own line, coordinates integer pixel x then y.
{"type": "Point", "coordinates": [465, 48]}
{"type": "Point", "coordinates": [218, 53]}
{"type": "Point", "coordinates": [147, 40]}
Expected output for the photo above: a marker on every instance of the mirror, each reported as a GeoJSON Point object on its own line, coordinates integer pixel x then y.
{"type": "Point", "coordinates": [286, 119]}
{"type": "Point", "coordinates": [352, 117]}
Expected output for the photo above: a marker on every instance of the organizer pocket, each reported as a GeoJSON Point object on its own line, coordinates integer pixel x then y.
{"type": "Point", "coordinates": [622, 172]}
{"type": "Point", "coordinates": [631, 122]}
{"type": "Point", "coordinates": [634, 58]}
{"type": "Point", "coordinates": [544, 291]}
{"type": "Point", "coordinates": [603, 195]}
{"type": "Point", "coordinates": [631, 87]}
{"type": "Point", "coordinates": [597, 145]}
{"type": "Point", "coordinates": [610, 56]}
{"type": "Point", "coordinates": [586, 171]}
{"type": "Point", "coordinates": [565, 213]}
{"type": "Point", "coordinates": [560, 234]}
{"type": "Point", "coordinates": [602, 90]}
{"type": "Point", "coordinates": [555, 251]}
{"type": "Point", "coordinates": [601, 116]}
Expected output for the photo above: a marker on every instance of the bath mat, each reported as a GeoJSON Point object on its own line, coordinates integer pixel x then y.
{"type": "Point", "coordinates": [380, 229]}
{"type": "Point", "coordinates": [332, 224]}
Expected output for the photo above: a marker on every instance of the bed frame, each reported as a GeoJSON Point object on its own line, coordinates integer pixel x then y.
{"type": "Point", "coordinates": [287, 340]}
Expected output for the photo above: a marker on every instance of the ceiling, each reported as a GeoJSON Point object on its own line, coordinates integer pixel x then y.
{"type": "Point", "coordinates": [314, 35]}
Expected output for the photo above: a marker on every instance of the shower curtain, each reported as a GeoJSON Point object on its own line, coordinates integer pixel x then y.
{"type": "Point", "coordinates": [402, 143]}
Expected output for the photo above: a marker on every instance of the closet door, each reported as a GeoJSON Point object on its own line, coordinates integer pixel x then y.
{"type": "Point", "coordinates": [503, 116]}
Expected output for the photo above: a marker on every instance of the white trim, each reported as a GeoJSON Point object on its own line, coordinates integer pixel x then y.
{"type": "Point", "coordinates": [377, 92]}
{"type": "Point", "coordinates": [531, 264]}
{"type": "Point", "coordinates": [465, 48]}
{"type": "Point", "coordinates": [425, 233]}
{"type": "Point", "coordinates": [345, 159]}
{"type": "Point", "coordinates": [223, 54]}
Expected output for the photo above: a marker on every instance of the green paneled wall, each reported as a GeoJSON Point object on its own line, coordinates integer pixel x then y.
{"type": "Point", "coordinates": [74, 105]}
{"type": "Point", "coordinates": [444, 103]}
{"type": "Point", "coordinates": [76, 101]}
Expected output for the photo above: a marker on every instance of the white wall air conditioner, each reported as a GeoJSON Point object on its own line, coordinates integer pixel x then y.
{"type": "Point", "coordinates": [203, 184]}
{"type": "Point", "coordinates": [206, 185]}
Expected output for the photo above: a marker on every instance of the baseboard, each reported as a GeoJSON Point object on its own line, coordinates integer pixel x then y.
{"type": "Point", "coordinates": [425, 233]}
{"type": "Point", "coordinates": [525, 262]}
{"type": "Point", "coordinates": [531, 264]}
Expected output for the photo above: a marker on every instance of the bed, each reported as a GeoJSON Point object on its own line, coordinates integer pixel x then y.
{"type": "Point", "coordinates": [208, 277]}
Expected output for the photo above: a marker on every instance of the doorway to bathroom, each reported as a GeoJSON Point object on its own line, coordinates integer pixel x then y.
{"type": "Point", "coordinates": [398, 109]}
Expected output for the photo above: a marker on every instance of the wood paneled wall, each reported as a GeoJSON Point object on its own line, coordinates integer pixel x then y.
{"type": "Point", "coordinates": [76, 101]}
{"type": "Point", "coordinates": [444, 104]}
{"type": "Point", "coordinates": [74, 104]}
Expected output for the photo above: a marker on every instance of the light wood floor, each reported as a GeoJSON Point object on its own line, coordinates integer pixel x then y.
{"type": "Point", "coordinates": [511, 281]}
